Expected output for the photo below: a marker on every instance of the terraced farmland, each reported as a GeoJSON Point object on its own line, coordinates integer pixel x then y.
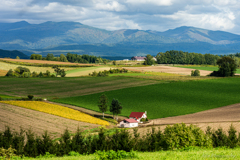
{"type": "Point", "coordinates": [168, 99]}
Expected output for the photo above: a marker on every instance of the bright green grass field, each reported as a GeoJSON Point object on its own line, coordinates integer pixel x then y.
{"type": "Point", "coordinates": [205, 68]}
{"type": "Point", "coordinates": [202, 154]}
{"type": "Point", "coordinates": [168, 99]}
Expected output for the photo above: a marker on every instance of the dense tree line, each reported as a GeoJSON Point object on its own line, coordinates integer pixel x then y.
{"type": "Point", "coordinates": [173, 137]}
{"type": "Point", "coordinates": [180, 57]}
{"type": "Point", "coordinates": [74, 58]}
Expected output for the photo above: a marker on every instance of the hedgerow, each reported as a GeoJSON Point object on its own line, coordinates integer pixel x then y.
{"type": "Point", "coordinates": [120, 144]}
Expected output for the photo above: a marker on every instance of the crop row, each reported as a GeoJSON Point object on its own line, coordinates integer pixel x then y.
{"type": "Point", "coordinates": [58, 111]}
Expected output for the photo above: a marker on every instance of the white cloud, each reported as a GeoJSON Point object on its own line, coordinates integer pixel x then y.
{"type": "Point", "coordinates": [110, 6]}
{"type": "Point", "coordinates": [155, 2]}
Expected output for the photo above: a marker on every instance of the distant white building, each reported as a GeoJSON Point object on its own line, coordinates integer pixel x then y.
{"type": "Point", "coordinates": [136, 58]}
{"type": "Point", "coordinates": [128, 123]}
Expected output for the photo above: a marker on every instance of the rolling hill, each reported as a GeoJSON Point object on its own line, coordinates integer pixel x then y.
{"type": "Point", "coordinates": [79, 38]}
{"type": "Point", "coordinates": [12, 54]}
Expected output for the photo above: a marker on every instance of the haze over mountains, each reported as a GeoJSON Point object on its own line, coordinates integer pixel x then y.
{"type": "Point", "coordinates": [57, 37]}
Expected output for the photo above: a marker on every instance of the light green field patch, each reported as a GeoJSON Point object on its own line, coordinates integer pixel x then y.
{"type": "Point", "coordinates": [85, 71]}
{"type": "Point", "coordinates": [206, 68]}
{"type": "Point", "coordinates": [196, 154]}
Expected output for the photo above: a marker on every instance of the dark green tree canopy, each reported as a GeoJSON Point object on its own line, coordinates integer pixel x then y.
{"type": "Point", "coordinates": [102, 103]}
{"type": "Point", "coordinates": [149, 60]}
{"type": "Point", "coordinates": [227, 66]}
{"type": "Point", "coordinates": [115, 107]}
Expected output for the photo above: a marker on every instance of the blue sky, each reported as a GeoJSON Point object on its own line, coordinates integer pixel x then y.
{"type": "Point", "coordinates": [159, 15]}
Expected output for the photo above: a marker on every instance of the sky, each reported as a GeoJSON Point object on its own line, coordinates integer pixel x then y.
{"type": "Point", "coordinates": [158, 15]}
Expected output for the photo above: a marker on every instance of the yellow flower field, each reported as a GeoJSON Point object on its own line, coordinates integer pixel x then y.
{"type": "Point", "coordinates": [58, 111]}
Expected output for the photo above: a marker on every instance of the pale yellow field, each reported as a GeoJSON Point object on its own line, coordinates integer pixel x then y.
{"type": "Point", "coordinates": [7, 66]}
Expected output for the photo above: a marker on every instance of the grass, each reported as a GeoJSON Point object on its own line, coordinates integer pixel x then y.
{"type": "Point", "coordinates": [206, 68]}
{"type": "Point", "coordinates": [65, 87]}
{"type": "Point", "coordinates": [195, 154]}
{"type": "Point", "coordinates": [7, 97]}
{"type": "Point", "coordinates": [167, 99]}
{"type": "Point", "coordinates": [82, 69]}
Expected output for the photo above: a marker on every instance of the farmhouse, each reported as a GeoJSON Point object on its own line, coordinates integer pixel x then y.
{"type": "Point", "coordinates": [138, 115]}
{"type": "Point", "coordinates": [128, 123]}
{"type": "Point", "coordinates": [136, 58]}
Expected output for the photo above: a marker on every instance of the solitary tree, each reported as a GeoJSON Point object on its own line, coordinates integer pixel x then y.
{"type": "Point", "coordinates": [149, 60]}
{"type": "Point", "coordinates": [59, 71]}
{"type": "Point", "coordinates": [115, 107]}
{"type": "Point", "coordinates": [227, 67]}
{"type": "Point", "coordinates": [114, 62]}
{"type": "Point", "coordinates": [102, 103]}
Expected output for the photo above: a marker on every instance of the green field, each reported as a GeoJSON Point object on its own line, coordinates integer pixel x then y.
{"type": "Point", "coordinates": [196, 154]}
{"type": "Point", "coordinates": [66, 87]}
{"type": "Point", "coordinates": [206, 68]}
{"type": "Point", "coordinates": [168, 99]}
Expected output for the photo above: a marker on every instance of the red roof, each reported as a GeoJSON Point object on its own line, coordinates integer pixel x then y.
{"type": "Point", "coordinates": [131, 120]}
{"type": "Point", "coordinates": [136, 114]}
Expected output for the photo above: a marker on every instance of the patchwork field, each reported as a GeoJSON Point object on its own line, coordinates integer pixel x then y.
{"type": "Point", "coordinates": [167, 69]}
{"type": "Point", "coordinates": [168, 99]}
{"type": "Point", "coordinates": [44, 62]}
{"type": "Point", "coordinates": [66, 87]}
{"type": "Point", "coordinates": [16, 117]}
{"type": "Point", "coordinates": [57, 110]}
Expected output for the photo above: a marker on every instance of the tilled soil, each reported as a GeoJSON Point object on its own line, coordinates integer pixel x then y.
{"type": "Point", "coordinates": [215, 118]}
{"type": "Point", "coordinates": [16, 117]}
{"type": "Point", "coordinates": [168, 69]}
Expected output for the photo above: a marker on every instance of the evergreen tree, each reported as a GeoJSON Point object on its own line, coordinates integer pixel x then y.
{"type": "Point", "coordinates": [115, 107]}
{"type": "Point", "coordinates": [102, 103]}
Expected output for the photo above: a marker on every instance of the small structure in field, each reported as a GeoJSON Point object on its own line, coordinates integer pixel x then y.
{"type": "Point", "coordinates": [128, 123]}
{"type": "Point", "coordinates": [136, 58]}
{"type": "Point", "coordinates": [138, 116]}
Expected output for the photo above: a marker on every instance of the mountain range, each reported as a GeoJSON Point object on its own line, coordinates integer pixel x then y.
{"type": "Point", "coordinates": [74, 37]}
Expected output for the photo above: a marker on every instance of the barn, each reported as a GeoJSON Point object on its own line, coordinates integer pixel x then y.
{"type": "Point", "coordinates": [128, 123]}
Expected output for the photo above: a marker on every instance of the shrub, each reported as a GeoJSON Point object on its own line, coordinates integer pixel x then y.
{"type": "Point", "coordinates": [10, 73]}
{"type": "Point", "coordinates": [120, 154]}
{"type": "Point", "coordinates": [0, 98]}
{"type": "Point", "coordinates": [7, 153]}
{"type": "Point", "coordinates": [195, 73]}
{"type": "Point", "coordinates": [30, 96]}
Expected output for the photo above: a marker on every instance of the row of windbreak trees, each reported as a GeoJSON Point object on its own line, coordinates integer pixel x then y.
{"type": "Point", "coordinates": [180, 57]}
{"type": "Point", "coordinates": [74, 58]}
{"type": "Point", "coordinates": [173, 137]}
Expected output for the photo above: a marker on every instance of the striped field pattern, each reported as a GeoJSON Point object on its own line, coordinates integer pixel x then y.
{"type": "Point", "coordinates": [58, 111]}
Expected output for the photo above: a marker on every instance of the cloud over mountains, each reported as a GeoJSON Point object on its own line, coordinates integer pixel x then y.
{"type": "Point", "coordinates": [159, 15]}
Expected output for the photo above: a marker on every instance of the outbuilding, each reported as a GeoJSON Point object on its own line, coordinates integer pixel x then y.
{"type": "Point", "coordinates": [128, 123]}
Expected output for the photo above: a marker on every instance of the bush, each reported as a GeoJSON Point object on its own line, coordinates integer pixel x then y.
{"type": "Point", "coordinates": [7, 153]}
{"type": "Point", "coordinates": [120, 154]}
{"type": "Point", "coordinates": [195, 73]}
{"type": "Point", "coordinates": [10, 73]}
{"type": "Point", "coordinates": [0, 98]}
{"type": "Point", "coordinates": [30, 96]}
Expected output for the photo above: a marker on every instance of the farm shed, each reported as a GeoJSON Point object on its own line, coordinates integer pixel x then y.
{"type": "Point", "coordinates": [136, 58]}
{"type": "Point", "coordinates": [128, 123]}
{"type": "Point", "coordinates": [138, 116]}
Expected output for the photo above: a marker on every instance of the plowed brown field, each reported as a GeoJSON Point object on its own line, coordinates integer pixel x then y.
{"type": "Point", "coordinates": [44, 62]}
{"type": "Point", "coordinates": [16, 117]}
{"type": "Point", "coordinates": [219, 117]}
